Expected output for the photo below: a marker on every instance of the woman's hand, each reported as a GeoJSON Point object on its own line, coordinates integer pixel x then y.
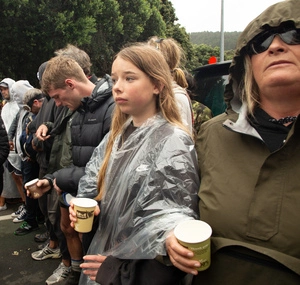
{"type": "Point", "coordinates": [180, 256]}
{"type": "Point", "coordinates": [91, 265]}
{"type": "Point", "coordinates": [72, 213]}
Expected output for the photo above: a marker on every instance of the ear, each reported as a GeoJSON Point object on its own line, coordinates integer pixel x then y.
{"type": "Point", "coordinates": [35, 103]}
{"type": "Point", "coordinates": [157, 89]}
{"type": "Point", "coordinates": [70, 83]}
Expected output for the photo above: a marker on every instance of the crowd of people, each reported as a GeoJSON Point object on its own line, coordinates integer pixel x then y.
{"type": "Point", "coordinates": [135, 142]}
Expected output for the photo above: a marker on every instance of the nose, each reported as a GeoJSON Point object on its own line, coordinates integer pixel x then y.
{"type": "Point", "coordinates": [277, 45]}
{"type": "Point", "coordinates": [57, 102]}
{"type": "Point", "coordinates": [117, 86]}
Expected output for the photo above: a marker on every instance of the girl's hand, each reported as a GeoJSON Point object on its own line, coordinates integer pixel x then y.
{"type": "Point", "coordinates": [92, 264]}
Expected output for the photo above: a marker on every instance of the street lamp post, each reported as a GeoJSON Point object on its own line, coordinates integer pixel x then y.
{"type": "Point", "coordinates": [222, 32]}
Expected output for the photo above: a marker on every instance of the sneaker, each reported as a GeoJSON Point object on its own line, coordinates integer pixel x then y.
{"type": "Point", "coordinates": [44, 244]}
{"type": "Point", "coordinates": [46, 253]}
{"type": "Point", "coordinates": [18, 212]}
{"type": "Point", "coordinates": [59, 274]}
{"type": "Point", "coordinates": [72, 279]}
{"type": "Point", "coordinates": [24, 229]}
{"type": "Point", "coordinates": [21, 217]}
{"type": "Point", "coordinates": [41, 237]}
{"type": "Point", "coordinates": [3, 208]}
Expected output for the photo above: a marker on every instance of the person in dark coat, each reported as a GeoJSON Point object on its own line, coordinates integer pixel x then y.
{"type": "Point", "coordinates": [249, 160]}
{"type": "Point", "coordinates": [4, 151]}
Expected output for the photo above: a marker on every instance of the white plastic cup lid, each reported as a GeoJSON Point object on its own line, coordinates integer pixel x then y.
{"type": "Point", "coordinates": [32, 182]}
{"type": "Point", "coordinates": [192, 231]}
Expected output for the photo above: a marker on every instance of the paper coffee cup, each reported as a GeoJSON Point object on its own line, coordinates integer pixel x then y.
{"type": "Point", "coordinates": [84, 208]}
{"type": "Point", "coordinates": [35, 191]}
{"type": "Point", "coordinates": [195, 235]}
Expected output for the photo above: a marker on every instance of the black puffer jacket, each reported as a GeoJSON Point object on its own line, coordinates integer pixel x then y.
{"type": "Point", "coordinates": [89, 126]}
{"type": "Point", "coordinates": [4, 146]}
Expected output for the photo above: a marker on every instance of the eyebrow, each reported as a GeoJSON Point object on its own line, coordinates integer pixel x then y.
{"type": "Point", "coordinates": [126, 72]}
{"type": "Point", "coordinates": [54, 96]}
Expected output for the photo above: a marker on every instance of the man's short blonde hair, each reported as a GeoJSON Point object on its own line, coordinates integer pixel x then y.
{"type": "Point", "coordinates": [58, 69]}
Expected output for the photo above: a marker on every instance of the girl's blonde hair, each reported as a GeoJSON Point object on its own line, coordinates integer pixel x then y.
{"type": "Point", "coordinates": [152, 63]}
{"type": "Point", "coordinates": [174, 56]}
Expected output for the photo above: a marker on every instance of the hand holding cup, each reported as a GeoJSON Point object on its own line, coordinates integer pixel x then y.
{"type": "Point", "coordinates": [82, 211]}
{"type": "Point", "coordinates": [195, 236]}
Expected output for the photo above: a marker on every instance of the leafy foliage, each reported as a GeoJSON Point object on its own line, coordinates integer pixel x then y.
{"type": "Point", "coordinates": [32, 30]}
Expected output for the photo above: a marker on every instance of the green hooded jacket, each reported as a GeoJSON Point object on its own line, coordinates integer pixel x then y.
{"type": "Point", "coordinates": [249, 195]}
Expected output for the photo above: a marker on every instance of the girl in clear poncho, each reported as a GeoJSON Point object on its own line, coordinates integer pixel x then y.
{"type": "Point", "coordinates": [148, 178]}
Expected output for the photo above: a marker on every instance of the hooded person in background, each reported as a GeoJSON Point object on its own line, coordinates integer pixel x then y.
{"type": "Point", "coordinates": [249, 160]}
{"type": "Point", "coordinates": [17, 91]}
{"type": "Point", "coordinates": [33, 100]}
{"type": "Point", "coordinates": [12, 164]}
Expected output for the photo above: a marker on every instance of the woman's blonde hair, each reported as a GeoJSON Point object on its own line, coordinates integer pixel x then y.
{"type": "Point", "coordinates": [250, 91]}
{"type": "Point", "coordinates": [151, 62]}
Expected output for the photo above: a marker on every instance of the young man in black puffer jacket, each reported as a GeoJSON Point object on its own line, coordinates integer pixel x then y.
{"type": "Point", "coordinates": [90, 123]}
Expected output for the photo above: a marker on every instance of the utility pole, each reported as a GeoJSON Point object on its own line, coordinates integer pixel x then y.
{"type": "Point", "coordinates": [222, 32]}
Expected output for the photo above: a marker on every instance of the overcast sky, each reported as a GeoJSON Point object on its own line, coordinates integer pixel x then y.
{"type": "Point", "coordinates": [205, 15]}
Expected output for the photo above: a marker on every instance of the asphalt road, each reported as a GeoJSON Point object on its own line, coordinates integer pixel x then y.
{"type": "Point", "coordinates": [16, 265]}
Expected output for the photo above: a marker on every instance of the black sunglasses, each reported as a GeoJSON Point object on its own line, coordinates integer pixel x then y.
{"type": "Point", "coordinates": [262, 42]}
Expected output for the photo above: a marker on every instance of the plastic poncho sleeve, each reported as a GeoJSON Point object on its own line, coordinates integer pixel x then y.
{"type": "Point", "coordinates": [151, 184]}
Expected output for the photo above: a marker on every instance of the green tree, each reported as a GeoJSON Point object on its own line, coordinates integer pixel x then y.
{"type": "Point", "coordinates": [106, 41]}
{"type": "Point", "coordinates": [32, 30]}
{"type": "Point", "coordinates": [204, 52]}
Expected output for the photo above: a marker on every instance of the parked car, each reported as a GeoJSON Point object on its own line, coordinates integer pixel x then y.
{"type": "Point", "coordinates": [211, 80]}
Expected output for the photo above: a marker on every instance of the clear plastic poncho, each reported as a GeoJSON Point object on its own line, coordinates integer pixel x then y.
{"type": "Point", "coordinates": [151, 183]}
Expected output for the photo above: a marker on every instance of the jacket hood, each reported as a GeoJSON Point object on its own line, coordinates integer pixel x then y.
{"type": "Point", "coordinates": [9, 82]}
{"type": "Point", "coordinates": [18, 90]}
{"type": "Point", "coordinates": [101, 92]}
{"type": "Point", "coordinates": [273, 16]}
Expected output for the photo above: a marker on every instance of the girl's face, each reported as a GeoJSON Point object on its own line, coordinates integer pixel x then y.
{"type": "Point", "coordinates": [133, 91]}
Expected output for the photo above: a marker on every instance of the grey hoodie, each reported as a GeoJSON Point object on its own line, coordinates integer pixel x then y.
{"type": "Point", "coordinates": [18, 90]}
{"type": "Point", "coordinates": [10, 110]}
